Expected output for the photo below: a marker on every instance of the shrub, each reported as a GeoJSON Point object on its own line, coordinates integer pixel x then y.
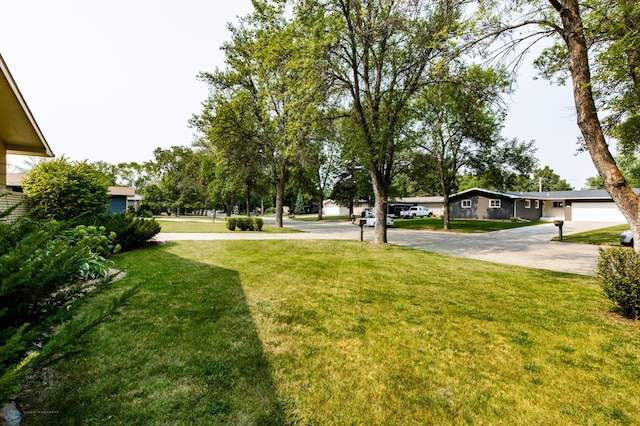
{"type": "Point", "coordinates": [231, 223]}
{"type": "Point", "coordinates": [143, 211]}
{"type": "Point", "coordinates": [61, 190]}
{"type": "Point", "coordinates": [258, 223]}
{"type": "Point", "coordinates": [131, 232]}
{"type": "Point", "coordinates": [270, 210]}
{"type": "Point", "coordinates": [243, 223]}
{"type": "Point", "coordinates": [42, 264]}
{"type": "Point", "coordinates": [619, 273]}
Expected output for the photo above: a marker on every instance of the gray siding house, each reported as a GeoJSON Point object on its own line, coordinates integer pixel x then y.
{"type": "Point", "coordinates": [589, 205]}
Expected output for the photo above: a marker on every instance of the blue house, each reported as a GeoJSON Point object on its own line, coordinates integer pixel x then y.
{"type": "Point", "coordinates": [118, 197]}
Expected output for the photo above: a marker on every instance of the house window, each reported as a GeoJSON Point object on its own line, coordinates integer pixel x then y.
{"type": "Point", "coordinates": [558, 204]}
{"type": "Point", "coordinates": [527, 204]}
{"type": "Point", "coordinates": [495, 204]}
{"type": "Point", "coordinates": [537, 204]}
{"type": "Point", "coordinates": [466, 204]}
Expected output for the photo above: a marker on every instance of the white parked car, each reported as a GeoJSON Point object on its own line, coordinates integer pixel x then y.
{"type": "Point", "coordinates": [416, 211]}
{"type": "Point", "coordinates": [371, 220]}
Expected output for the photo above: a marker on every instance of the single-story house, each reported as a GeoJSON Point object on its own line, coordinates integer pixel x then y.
{"type": "Point", "coordinates": [435, 204]}
{"type": "Point", "coordinates": [586, 205]}
{"type": "Point", "coordinates": [19, 133]}
{"type": "Point", "coordinates": [333, 208]}
{"type": "Point", "coordinates": [119, 196]}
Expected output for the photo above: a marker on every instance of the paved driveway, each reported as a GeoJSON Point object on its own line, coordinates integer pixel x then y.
{"type": "Point", "coordinates": [529, 246]}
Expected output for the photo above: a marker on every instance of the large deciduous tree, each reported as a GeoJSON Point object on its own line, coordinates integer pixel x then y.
{"type": "Point", "coordinates": [178, 184]}
{"type": "Point", "coordinates": [457, 124]}
{"type": "Point", "coordinates": [268, 62]}
{"type": "Point", "coordinates": [581, 25]}
{"type": "Point", "coordinates": [379, 54]}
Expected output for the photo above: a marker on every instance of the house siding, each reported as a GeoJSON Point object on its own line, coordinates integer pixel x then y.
{"type": "Point", "coordinates": [480, 208]}
{"type": "Point", "coordinates": [118, 203]}
{"type": "Point", "coordinates": [3, 165]}
{"type": "Point", "coordinates": [530, 213]}
{"type": "Point", "coordinates": [9, 199]}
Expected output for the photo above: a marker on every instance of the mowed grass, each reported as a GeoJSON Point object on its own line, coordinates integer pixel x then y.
{"type": "Point", "coordinates": [217, 227]}
{"type": "Point", "coordinates": [333, 332]}
{"type": "Point", "coordinates": [460, 225]}
{"type": "Point", "coordinates": [605, 236]}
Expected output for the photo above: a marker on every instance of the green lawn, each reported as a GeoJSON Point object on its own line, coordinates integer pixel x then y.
{"type": "Point", "coordinates": [334, 332]}
{"type": "Point", "coordinates": [204, 226]}
{"type": "Point", "coordinates": [460, 225]}
{"type": "Point", "coordinates": [605, 236]}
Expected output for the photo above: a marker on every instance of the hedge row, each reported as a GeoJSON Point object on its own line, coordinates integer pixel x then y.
{"type": "Point", "coordinates": [245, 223]}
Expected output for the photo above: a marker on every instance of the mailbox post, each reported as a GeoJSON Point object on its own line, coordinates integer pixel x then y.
{"type": "Point", "coordinates": [362, 222]}
{"type": "Point", "coordinates": [559, 224]}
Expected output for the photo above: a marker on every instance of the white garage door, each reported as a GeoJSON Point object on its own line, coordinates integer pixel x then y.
{"type": "Point", "coordinates": [596, 212]}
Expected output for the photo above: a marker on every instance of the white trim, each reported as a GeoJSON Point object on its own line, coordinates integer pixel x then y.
{"type": "Point", "coordinates": [495, 203]}
{"type": "Point", "coordinates": [465, 204]}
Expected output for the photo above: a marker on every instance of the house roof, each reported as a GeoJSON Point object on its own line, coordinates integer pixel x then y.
{"type": "Point", "coordinates": [128, 191]}
{"type": "Point", "coordinates": [591, 194]}
{"type": "Point", "coordinates": [488, 192]}
{"type": "Point", "coordinates": [18, 127]}
{"type": "Point", "coordinates": [418, 200]}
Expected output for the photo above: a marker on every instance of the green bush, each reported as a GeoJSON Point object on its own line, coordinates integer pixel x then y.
{"type": "Point", "coordinates": [131, 232]}
{"type": "Point", "coordinates": [41, 264]}
{"type": "Point", "coordinates": [619, 273]}
{"type": "Point", "coordinates": [243, 223]}
{"type": "Point", "coordinates": [143, 211]}
{"type": "Point", "coordinates": [62, 190]}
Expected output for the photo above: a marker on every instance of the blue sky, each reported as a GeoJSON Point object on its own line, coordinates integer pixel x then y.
{"type": "Point", "coordinates": [114, 80]}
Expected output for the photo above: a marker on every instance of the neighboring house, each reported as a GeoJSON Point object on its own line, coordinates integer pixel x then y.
{"type": "Point", "coordinates": [119, 196]}
{"type": "Point", "coordinates": [435, 204]}
{"type": "Point", "coordinates": [19, 134]}
{"type": "Point", "coordinates": [333, 208]}
{"type": "Point", "coordinates": [590, 205]}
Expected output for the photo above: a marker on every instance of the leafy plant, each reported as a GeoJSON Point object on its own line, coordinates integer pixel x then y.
{"type": "Point", "coordinates": [61, 190]}
{"type": "Point", "coordinates": [131, 232]}
{"type": "Point", "coordinates": [243, 223]}
{"type": "Point", "coordinates": [619, 273]}
{"type": "Point", "coordinates": [231, 223]}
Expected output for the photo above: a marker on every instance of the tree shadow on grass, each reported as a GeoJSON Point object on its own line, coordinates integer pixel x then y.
{"type": "Point", "coordinates": [184, 349]}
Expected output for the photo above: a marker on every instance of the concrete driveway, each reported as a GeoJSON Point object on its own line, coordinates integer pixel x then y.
{"type": "Point", "coordinates": [530, 246]}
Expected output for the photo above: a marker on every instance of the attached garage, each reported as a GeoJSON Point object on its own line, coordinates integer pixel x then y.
{"type": "Point", "coordinates": [596, 212]}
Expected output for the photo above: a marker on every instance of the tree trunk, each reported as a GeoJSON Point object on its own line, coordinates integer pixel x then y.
{"type": "Point", "coordinates": [587, 115]}
{"type": "Point", "coordinates": [279, 201]}
{"type": "Point", "coordinates": [445, 212]}
{"type": "Point", "coordinates": [381, 191]}
{"type": "Point", "coordinates": [248, 202]}
{"type": "Point", "coordinates": [320, 204]}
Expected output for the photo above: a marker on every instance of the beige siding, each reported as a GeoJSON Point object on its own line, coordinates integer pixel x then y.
{"type": "Point", "coordinates": [3, 165]}
{"type": "Point", "coordinates": [9, 199]}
